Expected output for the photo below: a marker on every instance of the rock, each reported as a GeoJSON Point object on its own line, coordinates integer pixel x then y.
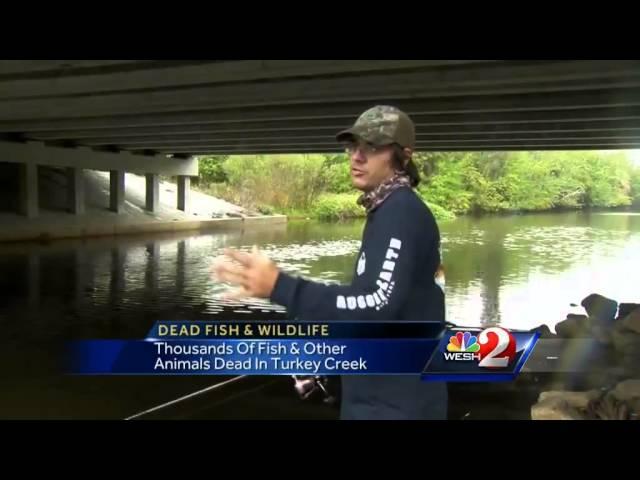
{"type": "Point", "coordinates": [602, 334]}
{"type": "Point", "coordinates": [625, 341]}
{"type": "Point", "coordinates": [573, 326]}
{"type": "Point", "coordinates": [554, 409]}
{"type": "Point", "coordinates": [235, 215]}
{"type": "Point", "coordinates": [626, 308]}
{"type": "Point", "coordinates": [626, 344]}
{"type": "Point", "coordinates": [601, 310]}
{"type": "Point", "coordinates": [586, 364]}
{"type": "Point", "coordinates": [630, 363]}
{"type": "Point", "coordinates": [632, 321]}
{"type": "Point", "coordinates": [544, 331]}
{"type": "Point", "coordinates": [627, 393]}
{"type": "Point", "coordinates": [569, 405]}
{"type": "Point", "coordinates": [573, 399]}
{"type": "Point", "coordinates": [627, 390]}
{"type": "Point", "coordinates": [609, 408]}
{"type": "Point", "coordinates": [602, 378]}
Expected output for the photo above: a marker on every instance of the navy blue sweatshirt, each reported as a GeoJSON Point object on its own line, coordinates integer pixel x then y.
{"type": "Point", "coordinates": [393, 280]}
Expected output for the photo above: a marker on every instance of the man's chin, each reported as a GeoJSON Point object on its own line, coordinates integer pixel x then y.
{"type": "Point", "coordinates": [359, 183]}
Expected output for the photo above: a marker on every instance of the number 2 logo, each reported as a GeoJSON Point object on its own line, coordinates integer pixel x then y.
{"type": "Point", "coordinates": [497, 348]}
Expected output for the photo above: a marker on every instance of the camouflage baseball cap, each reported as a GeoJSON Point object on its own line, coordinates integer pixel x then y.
{"type": "Point", "coordinates": [382, 125]}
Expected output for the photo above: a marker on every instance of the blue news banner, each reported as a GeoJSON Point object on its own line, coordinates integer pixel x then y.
{"type": "Point", "coordinates": [301, 348]}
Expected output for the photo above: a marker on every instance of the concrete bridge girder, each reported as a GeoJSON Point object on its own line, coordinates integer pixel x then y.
{"type": "Point", "coordinates": [40, 154]}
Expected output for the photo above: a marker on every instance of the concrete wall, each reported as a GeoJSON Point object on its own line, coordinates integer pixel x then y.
{"type": "Point", "coordinates": [39, 231]}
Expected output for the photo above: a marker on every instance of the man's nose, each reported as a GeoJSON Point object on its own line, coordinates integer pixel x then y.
{"type": "Point", "coordinates": [357, 156]}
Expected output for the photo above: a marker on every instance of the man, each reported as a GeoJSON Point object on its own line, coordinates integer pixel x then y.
{"type": "Point", "coordinates": [395, 273]}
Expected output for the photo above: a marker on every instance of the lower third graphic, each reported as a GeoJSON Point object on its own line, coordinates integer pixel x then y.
{"type": "Point", "coordinates": [493, 354]}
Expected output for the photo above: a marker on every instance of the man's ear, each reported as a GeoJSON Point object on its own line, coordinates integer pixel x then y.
{"type": "Point", "coordinates": [408, 153]}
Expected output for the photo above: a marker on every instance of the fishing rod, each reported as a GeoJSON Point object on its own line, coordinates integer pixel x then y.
{"type": "Point", "coordinates": [306, 386]}
{"type": "Point", "coordinates": [185, 397]}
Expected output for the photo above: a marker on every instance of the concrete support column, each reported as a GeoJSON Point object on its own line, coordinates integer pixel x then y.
{"type": "Point", "coordinates": [116, 191]}
{"type": "Point", "coordinates": [184, 193]}
{"type": "Point", "coordinates": [152, 192]}
{"type": "Point", "coordinates": [29, 190]}
{"type": "Point", "coordinates": [75, 190]}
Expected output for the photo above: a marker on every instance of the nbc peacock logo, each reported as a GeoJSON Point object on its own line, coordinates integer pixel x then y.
{"type": "Point", "coordinates": [462, 346]}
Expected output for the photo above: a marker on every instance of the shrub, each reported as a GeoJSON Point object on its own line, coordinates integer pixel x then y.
{"type": "Point", "coordinates": [337, 206]}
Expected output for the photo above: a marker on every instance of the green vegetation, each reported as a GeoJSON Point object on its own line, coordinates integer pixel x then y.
{"type": "Point", "coordinates": [635, 187]}
{"type": "Point", "coordinates": [319, 186]}
{"type": "Point", "coordinates": [527, 181]}
{"type": "Point", "coordinates": [439, 212]}
{"type": "Point", "coordinates": [337, 206]}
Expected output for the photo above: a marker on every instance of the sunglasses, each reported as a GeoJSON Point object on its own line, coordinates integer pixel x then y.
{"type": "Point", "coordinates": [366, 148]}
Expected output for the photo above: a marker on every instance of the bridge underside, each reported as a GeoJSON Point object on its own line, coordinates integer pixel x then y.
{"type": "Point", "coordinates": [182, 108]}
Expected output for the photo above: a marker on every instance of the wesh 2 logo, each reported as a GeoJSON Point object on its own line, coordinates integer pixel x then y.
{"type": "Point", "coordinates": [494, 347]}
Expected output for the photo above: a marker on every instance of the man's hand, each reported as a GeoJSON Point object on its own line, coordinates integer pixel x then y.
{"type": "Point", "coordinates": [254, 272]}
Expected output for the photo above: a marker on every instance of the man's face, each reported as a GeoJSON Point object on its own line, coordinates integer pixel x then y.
{"type": "Point", "coordinates": [370, 166]}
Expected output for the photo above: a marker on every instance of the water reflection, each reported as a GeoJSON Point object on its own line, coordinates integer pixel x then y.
{"type": "Point", "coordinates": [497, 268]}
{"type": "Point", "coordinates": [180, 266]}
{"type": "Point", "coordinates": [523, 271]}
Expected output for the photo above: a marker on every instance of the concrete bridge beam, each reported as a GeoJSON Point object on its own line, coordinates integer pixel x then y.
{"type": "Point", "coordinates": [38, 153]}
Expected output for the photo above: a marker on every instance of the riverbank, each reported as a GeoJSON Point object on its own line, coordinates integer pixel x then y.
{"type": "Point", "coordinates": [51, 225]}
{"type": "Point", "coordinates": [328, 207]}
{"type": "Point", "coordinates": [336, 207]}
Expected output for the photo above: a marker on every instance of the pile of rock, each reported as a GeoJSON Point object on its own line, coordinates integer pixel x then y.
{"type": "Point", "coordinates": [614, 366]}
{"type": "Point", "coordinates": [620, 403]}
